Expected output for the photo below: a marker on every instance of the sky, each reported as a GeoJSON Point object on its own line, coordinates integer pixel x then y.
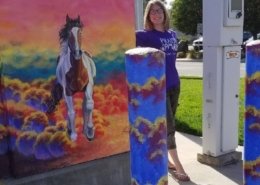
{"type": "Point", "coordinates": [168, 3]}
{"type": "Point", "coordinates": [37, 23]}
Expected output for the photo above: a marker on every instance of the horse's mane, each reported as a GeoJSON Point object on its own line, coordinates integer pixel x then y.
{"type": "Point", "coordinates": [70, 23]}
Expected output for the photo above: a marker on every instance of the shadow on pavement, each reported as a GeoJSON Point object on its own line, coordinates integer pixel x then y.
{"type": "Point", "coordinates": [234, 171]}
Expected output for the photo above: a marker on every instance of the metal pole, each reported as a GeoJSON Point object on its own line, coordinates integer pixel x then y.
{"type": "Point", "coordinates": [139, 14]}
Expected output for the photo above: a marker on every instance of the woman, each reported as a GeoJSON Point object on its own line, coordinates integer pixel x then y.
{"type": "Point", "coordinates": [158, 35]}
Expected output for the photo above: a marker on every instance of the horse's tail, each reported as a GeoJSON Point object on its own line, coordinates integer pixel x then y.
{"type": "Point", "coordinates": [56, 95]}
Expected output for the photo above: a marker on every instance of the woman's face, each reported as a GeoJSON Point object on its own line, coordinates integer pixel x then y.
{"type": "Point", "coordinates": [156, 15]}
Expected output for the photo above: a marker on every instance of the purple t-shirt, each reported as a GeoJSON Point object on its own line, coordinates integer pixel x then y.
{"type": "Point", "coordinates": [167, 42]}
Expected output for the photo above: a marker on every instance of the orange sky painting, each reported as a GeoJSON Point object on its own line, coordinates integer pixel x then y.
{"type": "Point", "coordinates": [36, 23]}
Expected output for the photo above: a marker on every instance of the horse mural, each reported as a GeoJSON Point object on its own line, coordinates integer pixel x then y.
{"type": "Point", "coordinates": [75, 72]}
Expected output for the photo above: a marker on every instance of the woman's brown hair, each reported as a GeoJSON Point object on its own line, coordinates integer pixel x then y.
{"type": "Point", "coordinates": [148, 25]}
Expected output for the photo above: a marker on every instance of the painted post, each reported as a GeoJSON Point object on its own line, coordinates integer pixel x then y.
{"type": "Point", "coordinates": [145, 69]}
{"type": "Point", "coordinates": [252, 115]}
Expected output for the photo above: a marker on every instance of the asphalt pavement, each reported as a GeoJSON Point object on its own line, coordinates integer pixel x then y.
{"type": "Point", "coordinates": [194, 67]}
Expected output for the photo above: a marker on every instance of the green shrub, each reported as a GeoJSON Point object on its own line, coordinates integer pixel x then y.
{"type": "Point", "coordinates": [181, 55]}
{"type": "Point", "coordinates": [195, 54]}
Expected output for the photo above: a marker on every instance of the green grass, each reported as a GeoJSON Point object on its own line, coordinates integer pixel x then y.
{"type": "Point", "coordinates": [189, 112]}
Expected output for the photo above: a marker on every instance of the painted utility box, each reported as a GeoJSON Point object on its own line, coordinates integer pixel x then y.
{"type": "Point", "coordinates": [44, 46]}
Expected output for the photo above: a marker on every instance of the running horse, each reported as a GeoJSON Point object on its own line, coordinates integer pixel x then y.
{"type": "Point", "coordinates": [75, 72]}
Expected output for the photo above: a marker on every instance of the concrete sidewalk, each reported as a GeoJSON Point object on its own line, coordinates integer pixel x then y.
{"type": "Point", "coordinates": [188, 148]}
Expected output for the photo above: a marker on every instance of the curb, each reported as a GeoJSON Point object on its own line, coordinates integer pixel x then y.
{"type": "Point", "coordinates": [188, 60]}
{"type": "Point", "coordinates": [198, 60]}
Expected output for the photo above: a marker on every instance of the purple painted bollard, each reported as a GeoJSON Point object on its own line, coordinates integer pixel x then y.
{"type": "Point", "coordinates": [145, 69]}
{"type": "Point", "coordinates": [252, 115]}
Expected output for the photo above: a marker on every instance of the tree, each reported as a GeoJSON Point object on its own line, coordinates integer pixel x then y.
{"type": "Point", "coordinates": [186, 14]}
{"type": "Point", "coordinates": [252, 16]}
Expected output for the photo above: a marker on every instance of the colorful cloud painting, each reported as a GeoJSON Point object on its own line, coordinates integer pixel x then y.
{"type": "Point", "coordinates": [29, 48]}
